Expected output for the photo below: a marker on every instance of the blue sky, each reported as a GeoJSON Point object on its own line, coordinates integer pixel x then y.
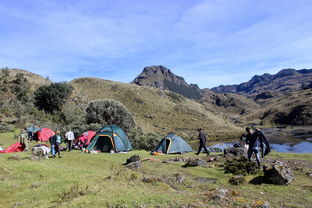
{"type": "Point", "coordinates": [208, 42]}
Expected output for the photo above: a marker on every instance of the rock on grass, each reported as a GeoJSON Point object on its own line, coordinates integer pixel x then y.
{"type": "Point", "coordinates": [278, 173]}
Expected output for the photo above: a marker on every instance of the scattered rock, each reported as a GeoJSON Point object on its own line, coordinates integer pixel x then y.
{"type": "Point", "coordinates": [237, 180]}
{"type": "Point", "coordinates": [278, 173]}
{"type": "Point", "coordinates": [309, 174]}
{"type": "Point", "coordinates": [177, 159]}
{"type": "Point", "coordinates": [133, 158]}
{"type": "Point", "coordinates": [180, 178]}
{"type": "Point", "coordinates": [221, 195]}
{"type": "Point", "coordinates": [134, 165]}
{"type": "Point", "coordinates": [235, 151]}
{"type": "Point", "coordinates": [195, 162]}
{"type": "Point", "coordinates": [14, 157]}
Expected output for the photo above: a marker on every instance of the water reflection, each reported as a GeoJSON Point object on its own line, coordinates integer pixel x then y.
{"type": "Point", "coordinates": [289, 139]}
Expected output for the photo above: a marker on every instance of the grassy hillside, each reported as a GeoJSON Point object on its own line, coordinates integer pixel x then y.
{"type": "Point", "coordinates": [156, 110]}
{"type": "Point", "coordinates": [294, 109]}
{"type": "Point", "coordinates": [100, 180]}
{"type": "Point", "coordinates": [233, 105]}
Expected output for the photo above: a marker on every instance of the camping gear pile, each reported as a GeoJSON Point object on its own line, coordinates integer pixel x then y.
{"type": "Point", "coordinates": [41, 151]}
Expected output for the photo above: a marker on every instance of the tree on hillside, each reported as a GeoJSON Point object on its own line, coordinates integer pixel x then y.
{"type": "Point", "coordinates": [51, 98]}
{"type": "Point", "coordinates": [109, 112]}
{"type": "Point", "coordinates": [21, 87]}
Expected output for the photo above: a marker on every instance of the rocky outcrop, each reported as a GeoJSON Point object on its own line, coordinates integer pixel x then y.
{"type": "Point", "coordinates": [278, 173]}
{"type": "Point", "coordinates": [162, 78]}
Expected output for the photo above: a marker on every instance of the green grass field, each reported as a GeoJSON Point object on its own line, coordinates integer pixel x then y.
{"type": "Point", "coordinates": [100, 180]}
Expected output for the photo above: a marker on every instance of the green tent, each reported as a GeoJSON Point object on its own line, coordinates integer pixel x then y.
{"type": "Point", "coordinates": [110, 138]}
{"type": "Point", "coordinates": [173, 144]}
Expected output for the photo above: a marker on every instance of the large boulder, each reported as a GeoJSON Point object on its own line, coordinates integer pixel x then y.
{"type": "Point", "coordinates": [235, 151]}
{"type": "Point", "coordinates": [134, 165]}
{"type": "Point", "coordinates": [134, 162]}
{"type": "Point", "coordinates": [278, 173]}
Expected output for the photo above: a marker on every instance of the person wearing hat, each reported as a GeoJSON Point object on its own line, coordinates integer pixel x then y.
{"type": "Point", "coordinates": [23, 137]}
{"type": "Point", "coordinates": [202, 142]}
{"type": "Point", "coordinates": [55, 142]}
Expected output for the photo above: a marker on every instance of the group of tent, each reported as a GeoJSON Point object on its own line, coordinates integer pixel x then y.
{"type": "Point", "coordinates": [110, 138]}
{"type": "Point", "coordinates": [114, 138]}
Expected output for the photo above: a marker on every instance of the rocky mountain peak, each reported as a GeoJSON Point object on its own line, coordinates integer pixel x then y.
{"type": "Point", "coordinates": [162, 78]}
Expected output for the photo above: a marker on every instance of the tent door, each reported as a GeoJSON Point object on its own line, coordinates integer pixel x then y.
{"type": "Point", "coordinates": [104, 144]}
{"type": "Point", "coordinates": [168, 143]}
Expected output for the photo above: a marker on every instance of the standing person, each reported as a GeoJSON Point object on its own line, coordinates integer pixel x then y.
{"type": "Point", "coordinates": [23, 137]}
{"type": "Point", "coordinates": [256, 139]}
{"type": "Point", "coordinates": [70, 138]}
{"type": "Point", "coordinates": [202, 142]}
{"type": "Point", "coordinates": [56, 140]}
{"type": "Point", "coordinates": [52, 141]}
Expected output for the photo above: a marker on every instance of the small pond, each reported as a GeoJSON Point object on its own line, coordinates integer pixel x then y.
{"type": "Point", "coordinates": [289, 139]}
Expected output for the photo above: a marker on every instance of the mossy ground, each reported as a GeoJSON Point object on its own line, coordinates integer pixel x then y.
{"type": "Point", "coordinates": [100, 180]}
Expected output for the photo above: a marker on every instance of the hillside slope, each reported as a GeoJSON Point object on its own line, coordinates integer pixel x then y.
{"type": "Point", "coordinates": [156, 110]}
{"type": "Point", "coordinates": [294, 109]}
{"type": "Point", "coordinates": [287, 80]}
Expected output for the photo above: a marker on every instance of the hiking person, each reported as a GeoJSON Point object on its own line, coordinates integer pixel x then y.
{"type": "Point", "coordinates": [70, 139]}
{"type": "Point", "coordinates": [202, 141]}
{"type": "Point", "coordinates": [55, 142]}
{"type": "Point", "coordinates": [23, 137]}
{"type": "Point", "coordinates": [256, 139]}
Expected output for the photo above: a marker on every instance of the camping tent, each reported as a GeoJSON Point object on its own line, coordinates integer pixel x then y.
{"type": "Point", "coordinates": [173, 144]}
{"type": "Point", "coordinates": [86, 137]}
{"type": "Point", "coordinates": [17, 147]}
{"type": "Point", "coordinates": [44, 134]}
{"type": "Point", "coordinates": [110, 138]}
{"type": "Point", "coordinates": [31, 131]}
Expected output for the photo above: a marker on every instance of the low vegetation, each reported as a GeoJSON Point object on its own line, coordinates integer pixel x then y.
{"type": "Point", "coordinates": [108, 112]}
{"type": "Point", "coordinates": [100, 180]}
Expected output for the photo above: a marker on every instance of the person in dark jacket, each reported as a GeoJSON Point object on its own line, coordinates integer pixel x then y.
{"type": "Point", "coordinates": [55, 142]}
{"type": "Point", "coordinates": [202, 142]}
{"type": "Point", "coordinates": [256, 139]}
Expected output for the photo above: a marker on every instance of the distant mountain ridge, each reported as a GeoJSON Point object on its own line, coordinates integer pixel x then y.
{"type": "Point", "coordinates": [162, 78]}
{"type": "Point", "coordinates": [286, 80]}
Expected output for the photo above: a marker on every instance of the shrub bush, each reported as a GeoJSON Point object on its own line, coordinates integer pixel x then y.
{"type": "Point", "coordinates": [240, 166]}
{"type": "Point", "coordinates": [51, 98]}
{"type": "Point", "coordinates": [109, 112]}
{"type": "Point", "coordinates": [142, 141]}
{"type": "Point", "coordinates": [21, 87]}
